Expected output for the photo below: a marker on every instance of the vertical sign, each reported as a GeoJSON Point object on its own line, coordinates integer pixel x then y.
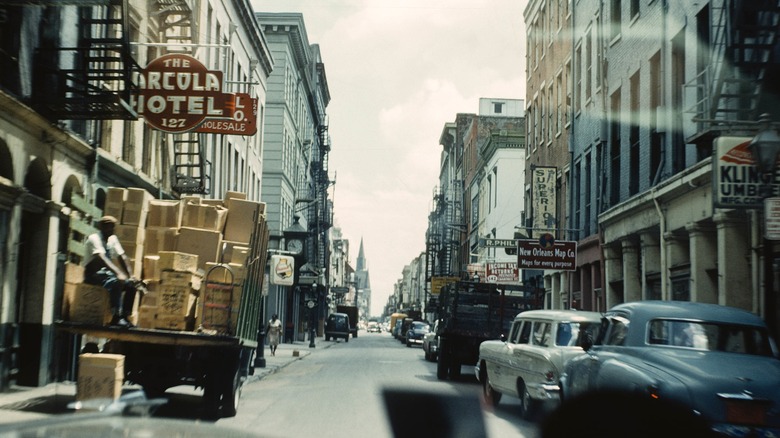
{"type": "Point", "coordinates": [543, 200]}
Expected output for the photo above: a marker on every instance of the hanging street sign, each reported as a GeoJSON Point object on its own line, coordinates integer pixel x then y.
{"type": "Point", "coordinates": [736, 182]}
{"type": "Point", "coordinates": [498, 243]}
{"type": "Point", "coordinates": [562, 255]}
{"type": "Point", "coordinates": [502, 273]}
{"type": "Point", "coordinates": [242, 113]}
{"type": "Point", "coordinates": [177, 93]}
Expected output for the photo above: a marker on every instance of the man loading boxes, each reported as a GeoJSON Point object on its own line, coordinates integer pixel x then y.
{"type": "Point", "coordinates": [106, 265]}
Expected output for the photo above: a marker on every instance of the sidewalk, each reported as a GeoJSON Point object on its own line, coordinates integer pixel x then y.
{"type": "Point", "coordinates": [22, 403]}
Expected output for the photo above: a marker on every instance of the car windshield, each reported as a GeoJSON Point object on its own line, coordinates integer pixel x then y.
{"type": "Point", "coordinates": [571, 334]}
{"type": "Point", "coordinates": [730, 338]}
{"type": "Point", "coordinates": [421, 327]}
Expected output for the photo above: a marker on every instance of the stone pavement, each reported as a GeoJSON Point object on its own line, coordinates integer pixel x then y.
{"type": "Point", "coordinates": [21, 403]}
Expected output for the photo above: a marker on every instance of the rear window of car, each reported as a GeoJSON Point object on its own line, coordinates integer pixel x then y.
{"type": "Point", "coordinates": [708, 336]}
{"type": "Point", "coordinates": [571, 334]}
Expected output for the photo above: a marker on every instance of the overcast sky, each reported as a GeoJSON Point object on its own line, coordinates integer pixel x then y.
{"type": "Point", "coordinates": [397, 71]}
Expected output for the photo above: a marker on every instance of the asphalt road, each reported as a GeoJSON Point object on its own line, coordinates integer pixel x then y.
{"type": "Point", "coordinates": [340, 391]}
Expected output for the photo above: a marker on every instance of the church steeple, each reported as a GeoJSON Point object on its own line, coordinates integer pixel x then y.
{"type": "Point", "coordinates": [361, 259]}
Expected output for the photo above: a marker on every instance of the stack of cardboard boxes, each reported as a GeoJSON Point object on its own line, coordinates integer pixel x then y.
{"type": "Point", "coordinates": [184, 241]}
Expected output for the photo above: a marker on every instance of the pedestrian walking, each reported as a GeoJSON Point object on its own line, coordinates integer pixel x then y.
{"type": "Point", "coordinates": [274, 332]}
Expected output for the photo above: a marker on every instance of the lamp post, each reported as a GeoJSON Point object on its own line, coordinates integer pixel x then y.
{"type": "Point", "coordinates": [313, 314]}
{"type": "Point", "coordinates": [765, 147]}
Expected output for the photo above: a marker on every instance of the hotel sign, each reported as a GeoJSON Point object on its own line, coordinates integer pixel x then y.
{"type": "Point", "coordinates": [177, 93]}
{"type": "Point", "coordinates": [736, 181]}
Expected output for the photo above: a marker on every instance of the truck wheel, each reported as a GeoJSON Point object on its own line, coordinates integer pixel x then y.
{"type": "Point", "coordinates": [346, 338]}
{"type": "Point", "coordinates": [454, 370]}
{"type": "Point", "coordinates": [442, 367]}
{"type": "Point", "coordinates": [230, 395]}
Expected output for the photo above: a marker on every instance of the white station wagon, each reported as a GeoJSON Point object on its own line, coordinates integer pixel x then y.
{"type": "Point", "coordinates": [528, 363]}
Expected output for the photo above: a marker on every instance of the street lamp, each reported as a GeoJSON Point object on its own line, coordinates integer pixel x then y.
{"type": "Point", "coordinates": [765, 147]}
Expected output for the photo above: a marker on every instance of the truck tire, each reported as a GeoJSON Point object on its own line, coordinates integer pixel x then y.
{"type": "Point", "coordinates": [231, 393]}
{"type": "Point", "coordinates": [442, 367]}
{"type": "Point", "coordinates": [346, 338]}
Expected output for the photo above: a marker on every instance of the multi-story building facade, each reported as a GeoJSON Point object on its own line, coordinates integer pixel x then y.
{"type": "Point", "coordinates": [295, 172]}
{"type": "Point", "coordinates": [548, 144]}
{"type": "Point", "coordinates": [480, 192]}
{"type": "Point", "coordinates": [69, 129]}
{"type": "Point", "coordinates": [656, 88]}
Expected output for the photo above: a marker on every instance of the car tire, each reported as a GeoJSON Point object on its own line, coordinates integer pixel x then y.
{"type": "Point", "coordinates": [492, 397]}
{"type": "Point", "coordinates": [527, 403]}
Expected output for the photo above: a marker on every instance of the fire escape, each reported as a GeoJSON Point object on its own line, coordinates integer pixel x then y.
{"type": "Point", "coordinates": [93, 79]}
{"type": "Point", "coordinates": [190, 173]}
{"type": "Point", "coordinates": [732, 89]}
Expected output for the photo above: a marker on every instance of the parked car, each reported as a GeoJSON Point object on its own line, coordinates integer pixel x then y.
{"type": "Point", "coordinates": [337, 326]}
{"type": "Point", "coordinates": [718, 361]}
{"type": "Point", "coordinates": [407, 322]}
{"type": "Point", "coordinates": [529, 362]}
{"type": "Point", "coordinates": [430, 344]}
{"type": "Point", "coordinates": [417, 330]}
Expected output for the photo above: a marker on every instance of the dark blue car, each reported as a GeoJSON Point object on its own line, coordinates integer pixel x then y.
{"type": "Point", "coordinates": [720, 362]}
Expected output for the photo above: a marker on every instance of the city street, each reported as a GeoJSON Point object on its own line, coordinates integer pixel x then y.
{"type": "Point", "coordinates": [338, 391]}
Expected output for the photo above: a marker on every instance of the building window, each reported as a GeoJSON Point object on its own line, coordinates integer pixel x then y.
{"type": "Point", "coordinates": [614, 19]}
{"type": "Point", "coordinates": [634, 9]}
{"type": "Point", "coordinates": [588, 65]}
{"type": "Point", "coordinates": [655, 103]}
{"type": "Point", "coordinates": [577, 78]}
{"type": "Point", "coordinates": [588, 195]}
{"type": "Point", "coordinates": [677, 81]}
{"type": "Point", "coordinates": [633, 135]}
{"type": "Point", "coordinates": [498, 107]}
{"type": "Point", "coordinates": [614, 140]}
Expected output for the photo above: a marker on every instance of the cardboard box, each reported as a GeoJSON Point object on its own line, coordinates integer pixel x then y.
{"type": "Point", "coordinates": [150, 299]}
{"type": "Point", "coordinates": [136, 207]}
{"type": "Point", "coordinates": [178, 261]}
{"type": "Point", "coordinates": [172, 322]}
{"type": "Point", "coordinates": [74, 273]}
{"type": "Point", "coordinates": [175, 300]}
{"type": "Point", "coordinates": [129, 234]}
{"type": "Point", "coordinates": [100, 376]}
{"type": "Point", "coordinates": [205, 217]}
{"type": "Point", "coordinates": [194, 199]}
{"type": "Point", "coordinates": [151, 270]}
{"type": "Point", "coordinates": [204, 243]}
{"type": "Point", "coordinates": [90, 305]}
{"type": "Point", "coordinates": [241, 219]}
{"type": "Point", "coordinates": [146, 316]}
{"type": "Point", "coordinates": [212, 202]}
{"type": "Point", "coordinates": [214, 295]}
{"type": "Point", "coordinates": [231, 251]}
{"type": "Point", "coordinates": [115, 202]}
{"type": "Point", "coordinates": [136, 255]}
{"type": "Point", "coordinates": [158, 239]}
{"type": "Point", "coordinates": [181, 278]}
{"type": "Point", "coordinates": [164, 213]}
{"type": "Point", "coordinates": [221, 273]}
{"type": "Point", "coordinates": [233, 195]}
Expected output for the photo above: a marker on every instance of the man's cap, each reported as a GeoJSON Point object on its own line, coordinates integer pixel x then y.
{"type": "Point", "coordinates": [107, 220]}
